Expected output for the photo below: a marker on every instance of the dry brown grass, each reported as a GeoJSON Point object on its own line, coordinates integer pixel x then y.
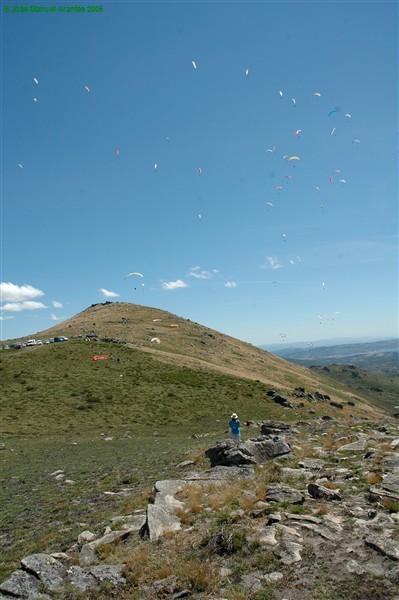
{"type": "Point", "coordinates": [373, 478]}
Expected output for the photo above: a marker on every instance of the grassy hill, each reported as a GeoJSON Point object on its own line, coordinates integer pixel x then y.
{"type": "Point", "coordinates": [380, 390]}
{"type": "Point", "coordinates": [128, 420]}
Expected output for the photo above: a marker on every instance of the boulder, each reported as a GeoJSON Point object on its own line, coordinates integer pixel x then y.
{"type": "Point", "coordinates": [288, 552]}
{"type": "Point", "coordinates": [250, 452]}
{"type": "Point", "coordinates": [88, 553]}
{"type": "Point", "coordinates": [323, 493]}
{"type": "Point", "coordinates": [384, 545]}
{"type": "Point", "coordinates": [52, 573]}
{"type": "Point", "coordinates": [275, 428]}
{"type": "Point", "coordinates": [283, 493]}
{"type": "Point", "coordinates": [21, 584]}
{"type": "Point", "coordinates": [110, 573]}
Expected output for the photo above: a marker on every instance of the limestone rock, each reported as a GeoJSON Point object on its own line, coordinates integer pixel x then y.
{"type": "Point", "coordinates": [288, 552]}
{"type": "Point", "coordinates": [358, 446]}
{"type": "Point", "coordinates": [384, 545]}
{"type": "Point", "coordinates": [111, 573]}
{"type": "Point", "coordinates": [21, 584]}
{"type": "Point", "coordinates": [250, 452]}
{"type": "Point", "coordinates": [80, 578]}
{"type": "Point", "coordinates": [283, 493]}
{"type": "Point", "coordinates": [320, 492]}
{"type": "Point", "coordinates": [51, 572]}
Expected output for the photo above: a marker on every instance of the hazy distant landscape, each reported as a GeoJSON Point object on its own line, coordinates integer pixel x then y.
{"type": "Point", "coordinates": [380, 356]}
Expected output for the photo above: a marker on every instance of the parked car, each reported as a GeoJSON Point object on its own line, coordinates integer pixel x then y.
{"type": "Point", "coordinates": [61, 339]}
{"type": "Point", "coordinates": [30, 343]}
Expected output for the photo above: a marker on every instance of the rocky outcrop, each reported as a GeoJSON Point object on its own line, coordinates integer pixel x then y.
{"type": "Point", "coordinates": [251, 452]}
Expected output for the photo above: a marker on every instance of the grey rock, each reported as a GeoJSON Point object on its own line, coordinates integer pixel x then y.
{"type": "Point", "coordinates": [273, 577]}
{"type": "Point", "coordinates": [222, 473]}
{"type": "Point", "coordinates": [275, 428]}
{"type": "Point", "coordinates": [306, 518]}
{"type": "Point", "coordinates": [80, 578]}
{"type": "Point", "coordinates": [111, 573]}
{"type": "Point", "coordinates": [88, 554]}
{"type": "Point", "coordinates": [251, 582]}
{"type": "Point", "coordinates": [323, 493]}
{"type": "Point", "coordinates": [288, 552]}
{"type": "Point", "coordinates": [85, 537]}
{"type": "Point", "coordinates": [312, 464]}
{"type": "Point", "coordinates": [358, 446]}
{"type": "Point", "coordinates": [393, 575]}
{"type": "Point", "coordinates": [283, 493]}
{"type": "Point", "coordinates": [354, 567]}
{"type": "Point", "coordinates": [51, 572]}
{"type": "Point", "coordinates": [384, 545]}
{"type": "Point", "coordinates": [391, 483]}
{"type": "Point", "coordinates": [21, 584]}
{"type": "Point", "coordinates": [250, 452]}
{"type": "Point", "coordinates": [159, 521]}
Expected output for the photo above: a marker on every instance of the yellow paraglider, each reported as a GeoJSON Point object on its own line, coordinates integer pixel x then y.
{"type": "Point", "coordinates": [294, 158]}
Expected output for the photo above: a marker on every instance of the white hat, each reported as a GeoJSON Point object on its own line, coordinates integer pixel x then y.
{"type": "Point", "coordinates": [234, 416]}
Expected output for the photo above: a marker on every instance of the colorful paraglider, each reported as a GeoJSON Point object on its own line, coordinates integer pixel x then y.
{"type": "Point", "coordinates": [294, 158]}
{"type": "Point", "coordinates": [87, 89]}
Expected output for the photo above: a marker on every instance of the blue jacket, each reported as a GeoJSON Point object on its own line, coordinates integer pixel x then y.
{"type": "Point", "coordinates": [234, 425]}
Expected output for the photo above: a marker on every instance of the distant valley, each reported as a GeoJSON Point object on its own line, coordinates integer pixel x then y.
{"type": "Point", "coordinates": [378, 356]}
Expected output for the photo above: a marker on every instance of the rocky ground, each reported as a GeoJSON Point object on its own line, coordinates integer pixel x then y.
{"type": "Point", "coordinates": [307, 513]}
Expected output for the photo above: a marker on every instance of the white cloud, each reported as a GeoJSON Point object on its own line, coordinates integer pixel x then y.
{"type": "Point", "coordinates": [9, 292]}
{"type": "Point", "coordinates": [26, 305]}
{"type": "Point", "coordinates": [200, 274]}
{"type": "Point", "coordinates": [230, 284]}
{"type": "Point", "coordinates": [272, 262]}
{"type": "Point", "coordinates": [55, 318]}
{"type": "Point", "coordinates": [108, 294]}
{"type": "Point", "coordinates": [56, 304]}
{"type": "Point", "coordinates": [7, 318]}
{"type": "Point", "coordinates": [174, 285]}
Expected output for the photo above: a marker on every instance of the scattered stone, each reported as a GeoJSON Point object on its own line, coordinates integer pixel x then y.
{"type": "Point", "coordinates": [384, 545]}
{"type": "Point", "coordinates": [312, 464]}
{"type": "Point", "coordinates": [80, 578]}
{"type": "Point", "coordinates": [185, 463]}
{"type": "Point", "coordinates": [354, 567]}
{"type": "Point", "coordinates": [51, 572]}
{"type": "Point", "coordinates": [275, 428]}
{"type": "Point", "coordinates": [358, 446]}
{"type": "Point", "coordinates": [110, 573]}
{"type": "Point", "coordinates": [21, 584]}
{"type": "Point", "coordinates": [85, 537]}
{"type": "Point", "coordinates": [288, 552]}
{"type": "Point", "coordinates": [282, 493]}
{"type": "Point", "coordinates": [320, 492]}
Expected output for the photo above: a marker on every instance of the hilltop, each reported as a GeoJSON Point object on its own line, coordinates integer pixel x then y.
{"type": "Point", "coordinates": [185, 343]}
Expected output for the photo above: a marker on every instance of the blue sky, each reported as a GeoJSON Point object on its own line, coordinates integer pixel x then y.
{"type": "Point", "coordinates": [181, 171]}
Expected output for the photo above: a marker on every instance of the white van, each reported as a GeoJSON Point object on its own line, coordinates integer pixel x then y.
{"type": "Point", "coordinates": [31, 343]}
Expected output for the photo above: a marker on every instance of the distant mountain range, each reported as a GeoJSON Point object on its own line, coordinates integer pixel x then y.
{"type": "Point", "coordinates": [379, 356]}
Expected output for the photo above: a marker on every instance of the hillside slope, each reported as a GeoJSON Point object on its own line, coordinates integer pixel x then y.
{"type": "Point", "coordinates": [185, 343]}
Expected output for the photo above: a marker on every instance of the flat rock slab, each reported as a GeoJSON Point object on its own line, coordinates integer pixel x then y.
{"type": "Point", "coordinates": [283, 493]}
{"type": "Point", "coordinates": [52, 573]}
{"type": "Point", "coordinates": [312, 464]}
{"type": "Point", "coordinates": [322, 493]}
{"type": "Point", "coordinates": [223, 473]}
{"type": "Point", "coordinates": [159, 522]}
{"type": "Point", "coordinates": [288, 552]}
{"type": "Point", "coordinates": [391, 483]}
{"type": "Point", "coordinates": [21, 584]}
{"type": "Point", "coordinates": [358, 446]}
{"type": "Point", "coordinates": [275, 428]}
{"type": "Point", "coordinates": [81, 579]}
{"type": "Point", "coordinates": [384, 545]}
{"type": "Point", "coordinates": [111, 573]}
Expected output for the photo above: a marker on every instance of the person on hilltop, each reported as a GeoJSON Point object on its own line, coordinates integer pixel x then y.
{"type": "Point", "coordinates": [234, 428]}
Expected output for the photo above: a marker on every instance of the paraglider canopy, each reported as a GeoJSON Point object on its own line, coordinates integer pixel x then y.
{"type": "Point", "coordinates": [134, 273]}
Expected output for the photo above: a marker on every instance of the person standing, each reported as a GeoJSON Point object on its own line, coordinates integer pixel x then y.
{"type": "Point", "coordinates": [234, 427]}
